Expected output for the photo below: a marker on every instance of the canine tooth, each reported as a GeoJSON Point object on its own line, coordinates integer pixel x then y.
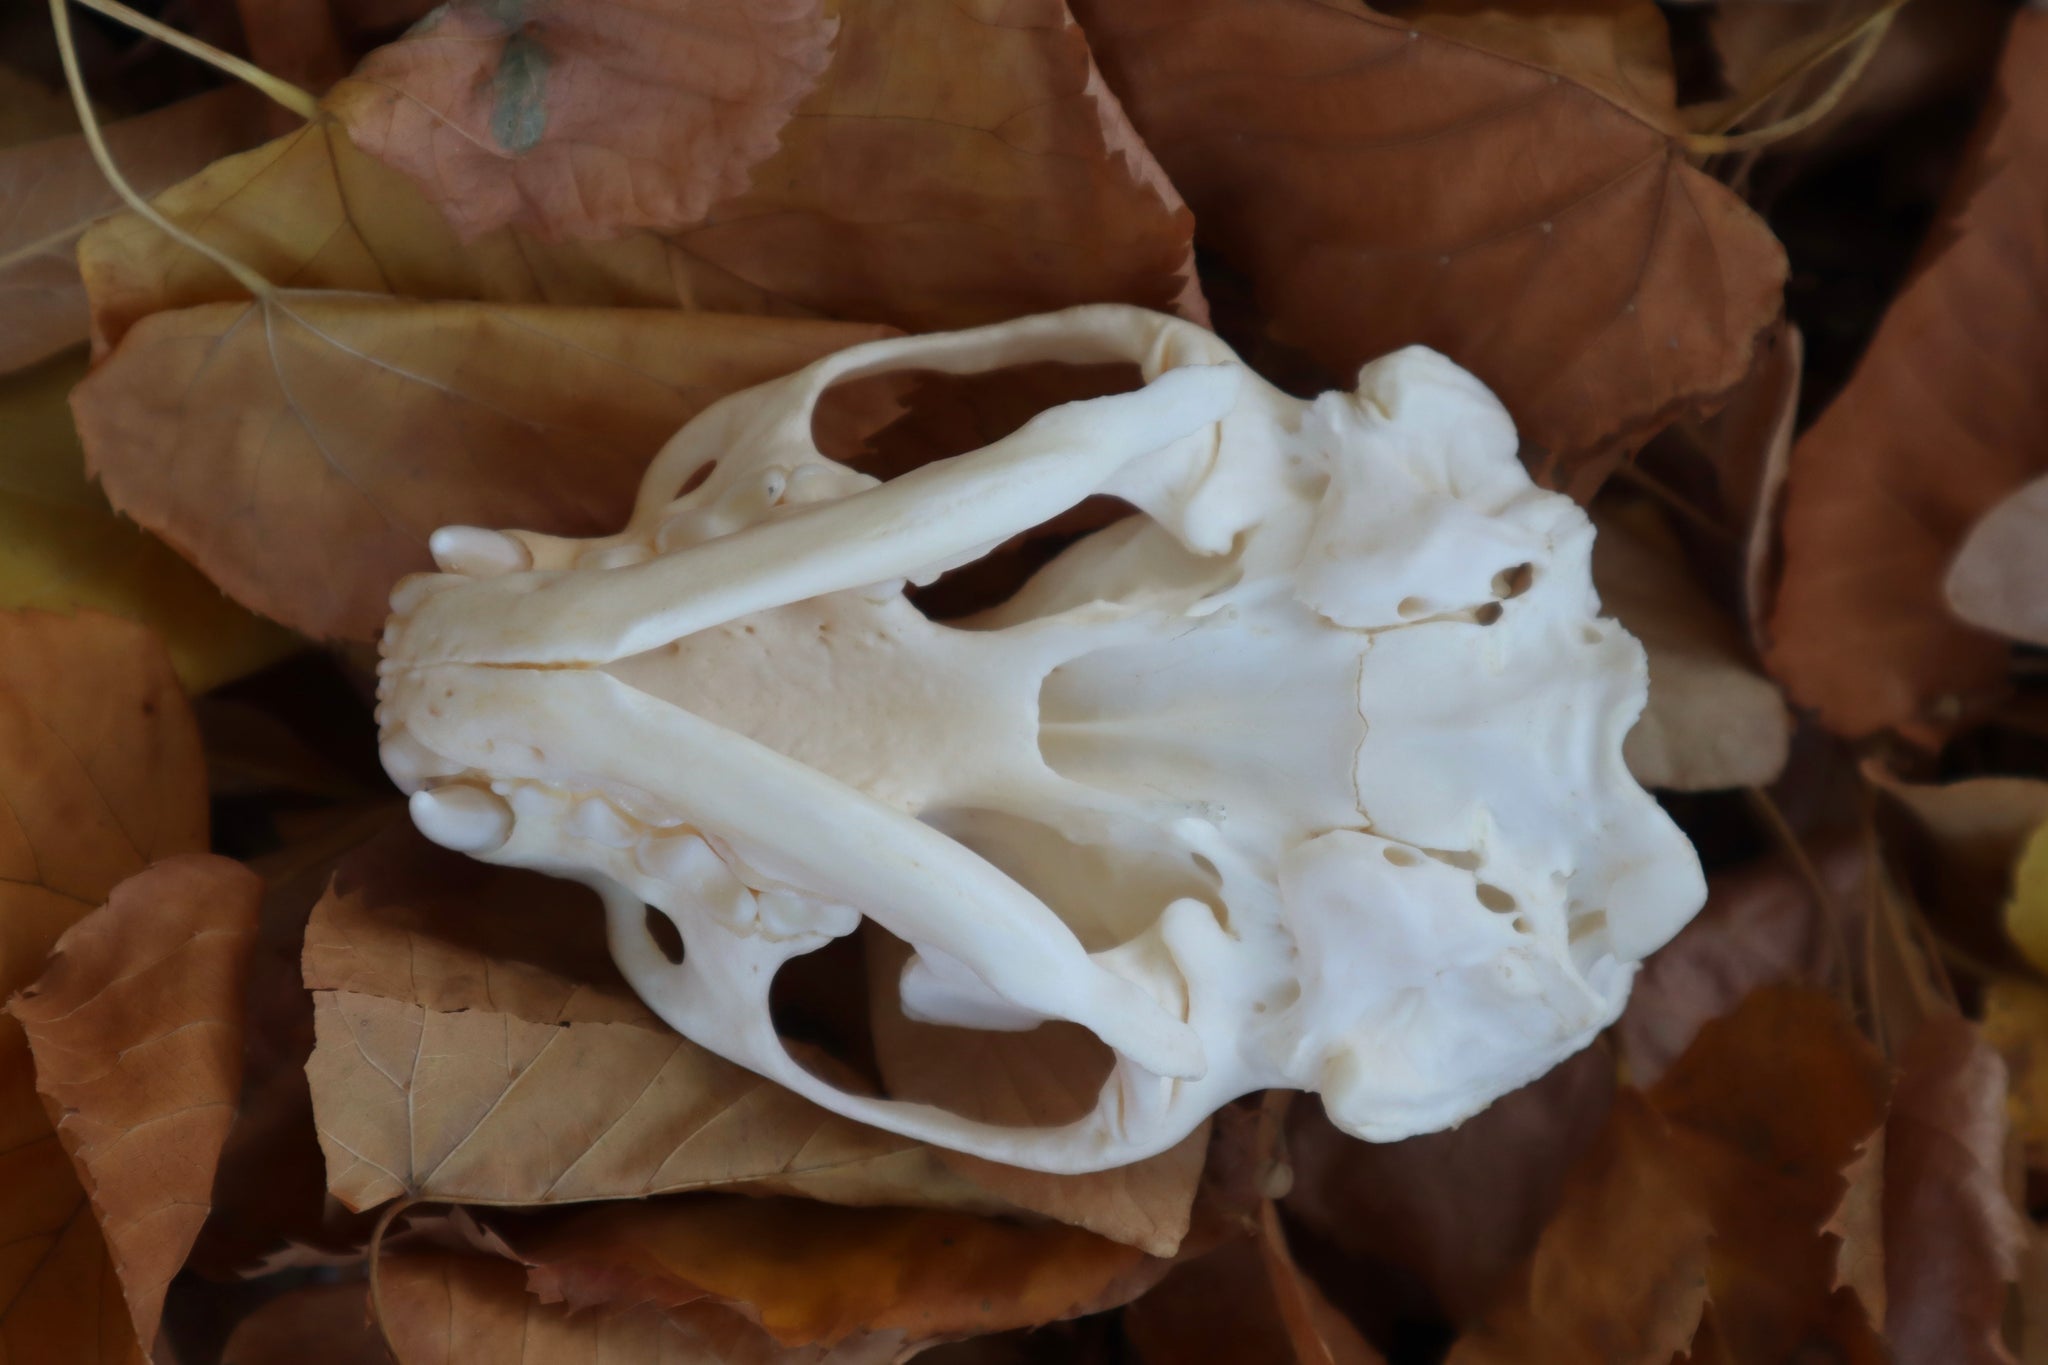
{"type": "Point", "coordinates": [478, 553]}
{"type": "Point", "coordinates": [463, 818]}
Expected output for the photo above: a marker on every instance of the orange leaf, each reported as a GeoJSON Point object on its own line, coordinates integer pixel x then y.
{"type": "Point", "coordinates": [907, 191]}
{"type": "Point", "coordinates": [311, 211]}
{"type": "Point", "coordinates": [53, 191]}
{"type": "Point", "coordinates": [1050, 1074]}
{"type": "Point", "coordinates": [136, 1029]}
{"type": "Point", "coordinates": [1455, 1211]}
{"type": "Point", "coordinates": [1703, 1202]}
{"type": "Point", "coordinates": [476, 1045]}
{"type": "Point", "coordinates": [1942, 418]}
{"type": "Point", "coordinates": [100, 773]}
{"type": "Point", "coordinates": [300, 451]}
{"type": "Point", "coordinates": [586, 119]}
{"type": "Point", "coordinates": [453, 1310]}
{"type": "Point", "coordinates": [813, 1274]}
{"type": "Point", "coordinates": [1952, 1236]}
{"type": "Point", "coordinates": [1383, 184]}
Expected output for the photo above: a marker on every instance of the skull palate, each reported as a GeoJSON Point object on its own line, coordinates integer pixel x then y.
{"type": "Point", "coordinates": [1309, 775]}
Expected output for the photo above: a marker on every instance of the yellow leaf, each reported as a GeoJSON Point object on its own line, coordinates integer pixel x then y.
{"type": "Point", "coordinates": [62, 546]}
{"type": "Point", "coordinates": [2026, 914]}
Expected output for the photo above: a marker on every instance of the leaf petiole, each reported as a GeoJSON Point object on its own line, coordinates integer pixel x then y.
{"type": "Point", "coordinates": [67, 52]}
{"type": "Point", "coordinates": [276, 88]}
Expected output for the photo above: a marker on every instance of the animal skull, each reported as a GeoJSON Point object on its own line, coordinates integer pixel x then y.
{"type": "Point", "coordinates": [1308, 776]}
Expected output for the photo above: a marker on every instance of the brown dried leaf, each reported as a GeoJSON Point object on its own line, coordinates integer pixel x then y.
{"type": "Point", "coordinates": [100, 774]}
{"type": "Point", "coordinates": [1941, 419]}
{"type": "Point", "coordinates": [1246, 1301]}
{"type": "Point", "coordinates": [136, 1029]}
{"type": "Point", "coordinates": [319, 1324]}
{"type": "Point", "coordinates": [311, 211]}
{"type": "Point", "coordinates": [52, 191]}
{"type": "Point", "coordinates": [1713, 721]}
{"type": "Point", "coordinates": [1857, 1225]}
{"type": "Point", "coordinates": [1383, 184]}
{"type": "Point", "coordinates": [1995, 580]}
{"type": "Point", "coordinates": [1455, 1211]}
{"type": "Point", "coordinates": [1952, 1236]}
{"type": "Point", "coordinates": [2015, 1024]}
{"type": "Point", "coordinates": [813, 1274]}
{"type": "Point", "coordinates": [475, 1045]}
{"type": "Point", "coordinates": [1761, 926]}
{"type": "Point", "coordinates": [906, 194]}
{"type": "Point", "coordinates": [1582, 1298]}
{"type": "Point", "coordinates": [301, 450]}
{"type": "Point", "coordinates": [1051, 1074]}
{"type": "Point", "coordinates": [583, 120]}
{"type": "Point", "coordinates": [1706, 1195]}
{"type": "Point", "coordinates": [453, 1310]}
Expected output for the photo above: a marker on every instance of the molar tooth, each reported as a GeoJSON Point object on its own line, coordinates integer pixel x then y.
{"type": "Point", "coordinates": [461, 817]}
{"type": "Point", "coordinates": [599, 821]}
{"type": "Point", "coordinates": [478, 553]}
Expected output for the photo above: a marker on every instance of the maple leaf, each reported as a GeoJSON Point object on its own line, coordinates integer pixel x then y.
{"type": "Point", "coordinates": [53, 191]}
{"type": "Point", "coordinates": [136, 1030]}
{"type": "Point", "coordinates": [584, 120]}
{"type": "Point", "coordinates": [1936, 425]}
{"type": "Point", "coordinates": [95, 783]}
{"type": "Point", "coordinates": [1528, 211]}
{"type": "Point", "coordinates": [815, 1274]}
{"type": "Point", "coordinates": [301, 449]}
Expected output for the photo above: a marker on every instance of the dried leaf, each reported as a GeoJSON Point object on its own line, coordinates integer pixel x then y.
{"type": "Point", "coordinates": [2016, 1025]}
{"type": "Point", "coordinates": [1761, 926]}
{"type": "Point", "coordinates": [1384, 184]}
{"type": "Point", "coordinates": [905, 194]}
{"type": "Point", "coordinates": [136, 1029]}
{"type": "Point", "coordinates": [301, 450]}
{"type": "Point", "coordinates": [1620, 1275]}
{"type": "Point", "coordinates": [583, 120]}
{"type": "Point", "coordinates": [1455, 1211]}
{"type": "Point", "coordinates": [475, 1045]}
{"type": "Point", "coordinates": [812, 1274]}
{"type": "Point", "coordinates": [1049, 1075]}
{"type": "Point", "coordinates": [95, 783]}
{"type": "Point", "coordinates": [1713, 721]}
{"type": "Point", "coordinates": [451, 1310]}
{"type": "Point", "coordinates": [62, 546]}
{"type": "Point", "coordinates": [320, 1324]}
{"type": "Point", "coordinates": [1228, 1305]}
{"type": "Point", "coordinates": [1952, 1236]}
{"type": "Point", "coordinates": [1857, 1225]}
{"type": "Point", "coordinates": [1750, 443]}
{"type": "Point", "coordinates": [54, 190]}
{"type": "Point", "coordinates": [1704, 1199]}
{"type": "Point", "coordinates": [1996, 579]}
{"type": "Point", "coordinates": [1941, 419]}
{"type": "Point", "coordinates": [311, 211]}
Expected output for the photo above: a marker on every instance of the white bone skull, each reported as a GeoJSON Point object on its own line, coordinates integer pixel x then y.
{"type": "Point", "coordinates": [1307, 776]}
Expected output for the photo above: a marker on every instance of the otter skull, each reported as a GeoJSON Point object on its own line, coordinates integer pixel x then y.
{"type": "Point", "coordinates": [1309, 775]}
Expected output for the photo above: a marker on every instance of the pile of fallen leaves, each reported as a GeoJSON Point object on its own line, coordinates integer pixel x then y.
{"type": "Point", "coordinates": [1761, 281]}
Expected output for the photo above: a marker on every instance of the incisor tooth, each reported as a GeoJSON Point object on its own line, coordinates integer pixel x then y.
{"type": "Point", "coordinates": [477, 553]}
{"type": "Point", "coordinates": [463, 818]}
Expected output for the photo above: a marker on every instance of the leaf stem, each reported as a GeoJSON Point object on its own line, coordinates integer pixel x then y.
{"type": "Point", "coordinates": [67, 52]}
{"type": "Point", "coordinates": [1866, 39]}
{"type": "Point", "coordinates": [283, 91]}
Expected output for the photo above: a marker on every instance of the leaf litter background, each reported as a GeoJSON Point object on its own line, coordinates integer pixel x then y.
{"type": "Point", "coordinates": [279, 1081]}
